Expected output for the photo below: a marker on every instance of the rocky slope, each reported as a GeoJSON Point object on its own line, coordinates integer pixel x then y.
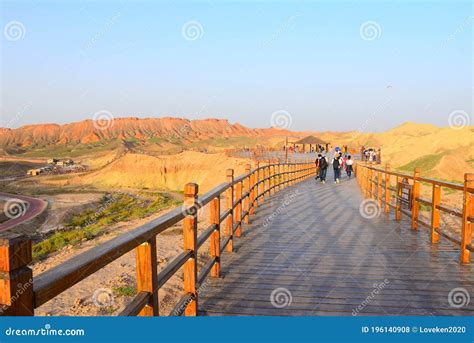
{"type": "Point", "coordinates": [88, 131]}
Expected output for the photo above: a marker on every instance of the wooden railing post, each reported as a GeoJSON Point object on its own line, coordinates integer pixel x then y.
{"type": "Point", "coordinates": [467, 213]}
{"type": "Point", "coordinates": [283, 177]}
{"type": "Point", "coordinates": [215, 242]}
{"type": "Point", "coordinates": [415, 194]}
{"type": "Point", "coordinates": [238, 209]}
{"type": "Point", "coordinates": [259, 185]}
{"type": "Point", "coordinates": [364, 181]}
{"type": "Point", "coordinates": [264, 183]}
{"type": "Point", "coordinates": [252, 193]}
{"type": "Point", "coordinates": [435, 202]}
{"type": "Point", "coordinates": [379, 189]}
{"type": "Point", "coordinates": [278, 177]}
{"type": "Point", "coordinates": [147, 276]}
{"type": "Point", "coordinates": [287, 175]}
{"type": "Point", "coordinates": [371, 184]}
{"type": "Point", "coordinates": [398, 209]}
{"type": "Point", "coordinates": [247, 198]}
{"type": "Point", "coordinates": [16, 278]}
{"type": "Point", "coordinates": [283, 180]}
{"type": "Point", "coordinates": [367, 183]}
{"type": "Point", "coordinates": [295, 173]}
{"type": "Point", "coordinates": [230, 204]}
{"type": "Point", "coordinates": [272, 179]}
{"type": "Point", "coordinates": [293, 170]}
{"type": "Point", "coordinates": [388, 197]}
{"type": "Point", "coordinates": [190, 243]}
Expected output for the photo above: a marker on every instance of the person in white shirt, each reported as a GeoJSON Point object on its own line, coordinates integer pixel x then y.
{"type": "Point", "coordinates": [349, 164]}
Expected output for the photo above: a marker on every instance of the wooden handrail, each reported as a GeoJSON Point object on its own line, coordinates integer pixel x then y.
{"type": "Point", "coordinates": [259, 183]}
{"type": "Point", "coordinates": [370, 179]}
{"type": "Point", "coordinates": [136, 305]}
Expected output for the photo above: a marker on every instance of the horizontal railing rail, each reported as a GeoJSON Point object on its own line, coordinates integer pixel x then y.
{"type": "Point", "coordinates": [376, 183]}
{"type": "Point", "coordinates": [21, 292]}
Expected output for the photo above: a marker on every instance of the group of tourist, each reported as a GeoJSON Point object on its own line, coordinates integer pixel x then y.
{"type": "Point", "coordinates": [370, 155]}
{"type": "Point", "coordinates": [338, 162]}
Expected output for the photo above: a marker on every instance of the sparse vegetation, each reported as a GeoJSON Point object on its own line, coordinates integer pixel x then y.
{"type": "Point", "coordinates": [71, 151]}
{"type": "Point", "coordinates": [126, 291]}
{"type": "Point", "coordinates": [155, 140]}
{"type": "Point", "coordinates": [426, 163]}
{"type": "Point", "coordinates": [225, 142]}
{"type": "Point", "coordinates": [91, 223]}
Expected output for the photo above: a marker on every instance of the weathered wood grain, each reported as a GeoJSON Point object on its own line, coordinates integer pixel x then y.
{"type": "Point", "coordinates": [332, 260]}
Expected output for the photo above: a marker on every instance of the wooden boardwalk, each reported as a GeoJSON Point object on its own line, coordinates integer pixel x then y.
{"type": "Point", "coordinates": [308, 251]}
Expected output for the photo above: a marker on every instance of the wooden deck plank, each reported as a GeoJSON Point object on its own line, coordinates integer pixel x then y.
{"type": "Point", "coordinates": [331, 260]}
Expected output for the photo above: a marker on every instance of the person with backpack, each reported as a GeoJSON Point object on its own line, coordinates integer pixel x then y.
{"type": "Point", "coordinates": [323, 167]}
{"type": "Point", "coordinates": [336, 164]}
{"type": "Point", "coordinates": [316, 162]}
{"type": "Point", "coordinates": [349, 164]}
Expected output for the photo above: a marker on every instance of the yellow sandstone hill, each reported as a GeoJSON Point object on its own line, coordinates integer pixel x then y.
{"type": "Point", "coordinates": [140, 162]}
{"type": "Point", "coordinates": [165, 172]}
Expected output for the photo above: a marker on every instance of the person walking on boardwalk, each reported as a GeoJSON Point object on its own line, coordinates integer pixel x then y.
{"type": "Point", "coordinates": [323, 167]}
{"type": "Point", "coordinates": [349, 163]}
{"type": "Point", "coordinates": [316, 162]}
{"type": "Point", "coordinates": [336, 164]}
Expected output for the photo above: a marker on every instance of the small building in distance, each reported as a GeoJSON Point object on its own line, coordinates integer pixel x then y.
{"type": "Point", "coordinates": [34, 172]}
{"type": "Point", "coordinates": [58, 162]}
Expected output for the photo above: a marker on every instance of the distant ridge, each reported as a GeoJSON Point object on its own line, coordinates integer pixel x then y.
{"type": "Point", "coordinates": [88, 131]}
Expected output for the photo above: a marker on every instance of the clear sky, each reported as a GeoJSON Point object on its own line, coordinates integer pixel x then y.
{"type": "Point", "coordinates": [330, 65]}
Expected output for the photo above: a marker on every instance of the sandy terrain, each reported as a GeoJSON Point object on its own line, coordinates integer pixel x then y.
{"type": "Point", "coordinates": [63, 206]}
{"type": "Point", "coordinates": [79, 300]}
{"type": "Point", "coordinates": [164, 172]}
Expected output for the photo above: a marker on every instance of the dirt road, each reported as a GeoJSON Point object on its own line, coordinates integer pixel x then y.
{"type": "Point", "coordinates": [20, 208]}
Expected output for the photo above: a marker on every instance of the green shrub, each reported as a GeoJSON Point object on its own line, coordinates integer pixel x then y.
{"type": "Point", "coordinates": [128, 291]}
{"type": "Point", "coordinates": [90, 224]}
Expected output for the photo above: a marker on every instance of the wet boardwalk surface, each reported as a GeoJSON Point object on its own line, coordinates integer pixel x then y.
{"type": "Point", "coordinates": [309, 251]}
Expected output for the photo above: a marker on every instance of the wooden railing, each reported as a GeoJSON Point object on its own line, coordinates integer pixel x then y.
{"type": "Point", "coordinates": [376, 183]}
{"type": "Point", "coordinates": [21, 293]}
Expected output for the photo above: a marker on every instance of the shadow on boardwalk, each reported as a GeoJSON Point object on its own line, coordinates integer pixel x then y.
{"type": "Point", "coordinates": [314, 254]}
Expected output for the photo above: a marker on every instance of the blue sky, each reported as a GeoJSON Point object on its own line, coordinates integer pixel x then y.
{"type": "Point", "coordinates": [310, 59]}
